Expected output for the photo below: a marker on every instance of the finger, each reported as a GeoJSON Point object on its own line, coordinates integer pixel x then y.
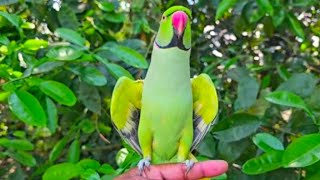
{"type": "Point", "coordinates": [210, 168]}
{"type": "Point", "coordinates": [178, 171]}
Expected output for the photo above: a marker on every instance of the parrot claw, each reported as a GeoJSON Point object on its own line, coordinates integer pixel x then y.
{"type": "Point", "coordinates": [189, 165]}
{"type": "Point", "coordinates": [142, 164]}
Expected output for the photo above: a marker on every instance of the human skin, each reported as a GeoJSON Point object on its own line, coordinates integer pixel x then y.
{"type": "Point", "coordinates": [205, 169]}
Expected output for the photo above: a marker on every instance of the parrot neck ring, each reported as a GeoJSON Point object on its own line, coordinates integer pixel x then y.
{"type": "Point", "coordinates": [179, 23]}
{"type": "Point", "coordinates": [176, 41]}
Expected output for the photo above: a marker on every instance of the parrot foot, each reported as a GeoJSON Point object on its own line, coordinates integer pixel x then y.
{"type": "Point", "coordinates": [189, 164]}
{"type": "Point", "coordinates": [142, 164]}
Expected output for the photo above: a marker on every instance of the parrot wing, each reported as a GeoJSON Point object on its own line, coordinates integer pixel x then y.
{"type": "Point", "coordinates": [125, 110]}
{"type": "Point", "coordinates": [205, 107]}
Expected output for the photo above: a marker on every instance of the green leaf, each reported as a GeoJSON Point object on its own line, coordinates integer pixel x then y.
{"type": "Point", "coordinates": [90, 174]}
{"type": "Point", "coordinates": [64, 53]}
{"type": "Point", "coordinates": [59, 92]}
{"type": "Point", "coordinates": [266, 6]}
{"type": "Point", "coordinates": [286, 98]}
{"type": "Point", "coordinates": [8, 2]}
{"type": "Point", "coordinates": [301, 84]}
{"type": "Point", "coordinates": [35, 44]}
{"type": "Point", "coordinates": [52, 114]}
{"type": "Point", "coordinates": [4, 95]}
{"type": "Point", "coordinates": [296, 26]}
{"type": "Point", "coordinates": [68, 19]}
{"type": "Point", "coordinates": [207, 147]}
{"type": "Point", "coordinates": [20, 134]}
{"type": "Point", "coordinates": [74, 152]}
{"type": "Point", "coordinates": [70, 36]}
{"type": "Point", "coordinates": [87, 126]}
{"type": "Point", "coordinates": [267, 162]}
{"type": "Point", "coordinates": [118, 71]}
{"type": "Point", "coordinates": [27, 108]}
{"type": "Point", "coordinates": [93, 76]}
{"type": "Point", "coordinates": [231, 151]}
{"type": "Point", "coordinates": [115, 17]}
{"type": "Point", "coordinates": [303, 151]}
{"type": "Point", "coordinates": [105, 6]}
{"type": "Point", "coordinates": [12, 18]}
{"type": "Point", "coordinates": [106, 169]}
{"type": "Point", "coordinates": [252, 13]}
{"type": "Point", "coordinates": [62, 171]}
{"type": "Point", "coordinates": [23, 157]}
{"type": "Point", "coordinates": [267, 142]}
{"type": "Point", "coordinates": [47, 66]}
{"type": "Point", "coordinates": [90, 97]}
{"type": "Point", "coordinates": [223, 7]}
{"type": "Point", "coordinates": [127, 55]}
{"type": "Point", "coordinates": [18, 144]}
{"type": "Point", "coordinates": [57, 149]}
{"type": "Point", "coordinates": [283, 72]}
{"type": "Point", "coordinates": [248, 88]}
{"type": "Point", "coordinates": [278, 17]}
{"type": "Point", "coordinates": [236, 127]}
{"type": "Point", "coordinates": [89, 164]}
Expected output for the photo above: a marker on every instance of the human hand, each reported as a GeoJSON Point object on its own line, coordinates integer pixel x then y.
{"type": "Point", "coordinates": [205, 169]}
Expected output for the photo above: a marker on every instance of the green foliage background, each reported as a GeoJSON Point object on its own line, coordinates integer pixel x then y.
{"type": "Point", "coordinates": [59, 63]}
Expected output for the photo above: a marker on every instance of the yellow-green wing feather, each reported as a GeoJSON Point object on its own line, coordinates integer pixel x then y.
{"type": "Point", "coordinates": [205, 106]}
{"type": "Point", "coordinates": [125, 109]}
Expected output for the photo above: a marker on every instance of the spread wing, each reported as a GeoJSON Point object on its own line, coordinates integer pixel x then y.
{"type": "Point", "coordinates": [125, 110]}
{"type": "Point", "coordinates": [205, 106]}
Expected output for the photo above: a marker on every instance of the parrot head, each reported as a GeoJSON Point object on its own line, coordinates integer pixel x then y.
{"type": "Point", "coordinates": [175, 29]}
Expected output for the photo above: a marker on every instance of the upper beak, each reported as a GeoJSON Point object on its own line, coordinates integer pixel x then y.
{"type": "Point", "coordinates": [179, 22]}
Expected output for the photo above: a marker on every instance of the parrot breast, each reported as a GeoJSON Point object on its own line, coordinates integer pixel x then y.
{"type": "Point", "coordinates": [166, 107]}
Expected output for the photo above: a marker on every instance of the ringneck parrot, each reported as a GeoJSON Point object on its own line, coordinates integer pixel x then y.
{"type": "Point", "coordinates": [166, 115]}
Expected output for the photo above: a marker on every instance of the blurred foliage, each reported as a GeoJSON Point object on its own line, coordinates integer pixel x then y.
{"type": "Point", "coordinates": [61, 59]}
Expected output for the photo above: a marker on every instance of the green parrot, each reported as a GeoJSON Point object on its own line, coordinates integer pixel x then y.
{"type": "Point", "coordinates": [166, 115]}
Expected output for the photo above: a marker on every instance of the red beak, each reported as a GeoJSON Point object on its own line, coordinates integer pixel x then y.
{"type": "Point", "coordinates": [179, 22]}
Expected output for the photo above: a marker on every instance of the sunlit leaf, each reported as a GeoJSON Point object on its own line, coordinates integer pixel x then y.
{"type": "Point", "coordinates": [19, 144]}
{"type": "Point", "coordinates": [106, 169]}
{"type": "Point", "coordinates": [267, 162]}
{"type": "Point", "coordinates": [35, 44]}
{"type": "Point", "coordinates": [303, 151]}
{"type": "Point", "coordinates": [74, 151]}
{"type": "Point", "coordinates": [62, 171]}
{"type": "Point", "coordinates": [89, 164]}
{"type": "Point", "coordinates": [286, 98]}
{"type": "Point", "coordinates": [57, 149]}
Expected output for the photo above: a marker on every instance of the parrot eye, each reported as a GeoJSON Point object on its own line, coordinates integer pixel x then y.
{"type": "Point", "coordinates": [164, 17]}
